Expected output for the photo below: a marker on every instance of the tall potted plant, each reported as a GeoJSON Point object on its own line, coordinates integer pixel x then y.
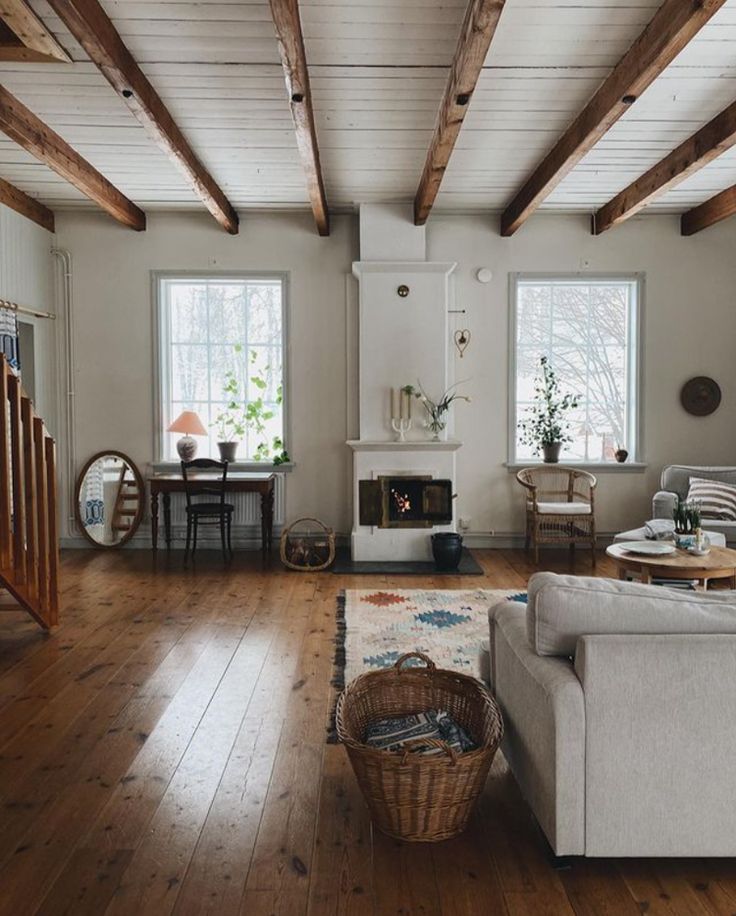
{"type": "Point", "coordinates": [546, 427]}
{"type": "Point", "coordinates": [238, 415]}
{"type": "Point", "coordinates": [230, 422]}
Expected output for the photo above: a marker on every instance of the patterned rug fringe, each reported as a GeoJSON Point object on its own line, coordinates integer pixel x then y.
{"type": "Point", "coordinates": [338, 666]}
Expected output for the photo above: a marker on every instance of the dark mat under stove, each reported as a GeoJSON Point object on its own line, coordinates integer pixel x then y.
{"type": "Point", "coordinates": [345, 566]}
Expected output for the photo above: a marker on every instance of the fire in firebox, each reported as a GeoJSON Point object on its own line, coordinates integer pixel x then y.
{"type": "Point", "coordinates": [405, 502]}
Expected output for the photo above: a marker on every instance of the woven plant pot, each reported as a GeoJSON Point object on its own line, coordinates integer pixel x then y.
{"type": "Point", "coordinates": [413, 797]}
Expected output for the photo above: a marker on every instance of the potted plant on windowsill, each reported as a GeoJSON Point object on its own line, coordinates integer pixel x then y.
{"type": "Point", "coordinates": [546, 427]}
{"type": "Point", "coordinates": [240, 415]}
{"type": "Point", "coordinates": [230, 422]}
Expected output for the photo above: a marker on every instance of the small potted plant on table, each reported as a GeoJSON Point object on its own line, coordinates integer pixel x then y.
{"type": "Point", "coordinates": [546, 427]}
{"type": "Point", "coordinates": [687, 519]}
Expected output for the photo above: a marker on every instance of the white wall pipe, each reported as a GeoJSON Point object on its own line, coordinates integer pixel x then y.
{"type": "Point", "coordinates": [67, 357]}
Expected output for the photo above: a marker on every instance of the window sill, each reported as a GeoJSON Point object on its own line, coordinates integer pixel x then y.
{"type": "Point", "coordinates": [600, 467]}
{"type": "Point", "coordinates": [263, 467]}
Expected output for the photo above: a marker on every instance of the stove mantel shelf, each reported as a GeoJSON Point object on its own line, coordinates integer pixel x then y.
{"type": "Point", "coordinates": [410, 445]}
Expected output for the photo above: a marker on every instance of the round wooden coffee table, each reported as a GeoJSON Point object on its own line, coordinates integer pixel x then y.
{"type": "Point", "coordinates": [718, 563]}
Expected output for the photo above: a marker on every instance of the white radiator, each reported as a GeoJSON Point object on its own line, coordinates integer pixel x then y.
{"type": "Point", "coordinates": [246, 518]}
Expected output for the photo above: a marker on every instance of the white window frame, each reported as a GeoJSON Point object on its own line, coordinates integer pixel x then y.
{"type": "Point", "coordinates": [161, 357]}
{"type": "Point", "coordinates": [635, 348]}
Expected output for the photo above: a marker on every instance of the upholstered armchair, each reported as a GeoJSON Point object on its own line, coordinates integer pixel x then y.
{"type": "Point", "coordinates": [560, 507]}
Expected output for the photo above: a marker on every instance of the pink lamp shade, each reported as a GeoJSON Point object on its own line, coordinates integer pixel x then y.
{"type": "Point", "coordinates": [188, 423]}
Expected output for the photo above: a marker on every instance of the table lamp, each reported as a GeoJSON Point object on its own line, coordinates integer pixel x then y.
{"type": "Point", "coordinates": [188, 423]}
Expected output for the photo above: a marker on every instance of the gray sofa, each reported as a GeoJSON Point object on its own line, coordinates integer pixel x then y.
{"type": "Point", "coordinates": [620, 720]}
{"type": "Point", "coordinates": [675, 482]}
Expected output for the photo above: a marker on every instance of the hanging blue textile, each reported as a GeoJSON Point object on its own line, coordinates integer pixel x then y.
{"type": "Point", "coordinates": [9, 337]}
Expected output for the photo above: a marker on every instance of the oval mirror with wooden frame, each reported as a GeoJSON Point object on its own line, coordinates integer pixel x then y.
{"type": "Point", "coordinates": [108, 502]}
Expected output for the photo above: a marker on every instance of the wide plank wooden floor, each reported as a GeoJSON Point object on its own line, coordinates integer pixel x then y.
{"type": "Point", "coordinates": [164, 752]}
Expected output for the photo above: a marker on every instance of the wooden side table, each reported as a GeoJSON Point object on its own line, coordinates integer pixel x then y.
{"type": "Point", "coordinates": [718, 563]}
{"type": "Point", "coordinates": [237, 482]}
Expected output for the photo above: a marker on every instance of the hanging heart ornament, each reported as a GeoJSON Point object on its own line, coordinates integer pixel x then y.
{"type": "Point", "coordinates": [462, 339]}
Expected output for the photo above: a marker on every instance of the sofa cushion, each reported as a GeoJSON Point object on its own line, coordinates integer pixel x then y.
{"type": "Point", "coordinates": [561, 609]}
{"type": "Point", "coordinates": [716, 498]}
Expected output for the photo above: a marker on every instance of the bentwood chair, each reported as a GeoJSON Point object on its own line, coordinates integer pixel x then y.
{"type": "Point", "coordinates": [206, 504]}
{"type": "Point", "coordinates": [560, 507]}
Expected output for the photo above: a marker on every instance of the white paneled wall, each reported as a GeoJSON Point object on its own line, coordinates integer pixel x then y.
{"type": "Point", "coordinates": [25, 261]}
{"type": "Point", "coordinates": [27, 278]}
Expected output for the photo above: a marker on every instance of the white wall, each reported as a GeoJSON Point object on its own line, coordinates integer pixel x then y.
{"type": "Point", "coordinates": [690, 328]}
{"type": "Point", "coordinates": [27, 278]}
{"type": "Point", "coordinates": [114, 345]}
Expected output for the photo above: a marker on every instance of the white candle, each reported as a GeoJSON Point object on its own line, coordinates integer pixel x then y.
{"type": "Point", "coordinates": [404, 406]}
{"type": "Point", "coordinates": [394, 403]}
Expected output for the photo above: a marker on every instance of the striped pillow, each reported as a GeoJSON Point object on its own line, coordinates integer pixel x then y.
{"type": "Point", "coordinates": [716, 499]}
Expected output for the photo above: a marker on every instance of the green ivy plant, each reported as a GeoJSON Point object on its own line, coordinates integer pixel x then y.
{"type": "Point", "coordinates": [240, 415]}
{"type": "Point", "coordinates": [546, 422]}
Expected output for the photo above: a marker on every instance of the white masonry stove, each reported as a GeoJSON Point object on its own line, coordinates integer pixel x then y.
{"type": "Point", "coordinates": [402, 491]}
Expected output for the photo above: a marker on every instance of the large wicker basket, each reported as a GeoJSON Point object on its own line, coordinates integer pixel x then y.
{"type": "Point", "coordinates": [419, 798]}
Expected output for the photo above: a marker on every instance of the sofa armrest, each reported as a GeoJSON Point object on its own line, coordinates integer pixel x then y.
{"type": "Point", "coordinates": [543, 707]}
{"type": "Point", "coordinates": [663, 504]}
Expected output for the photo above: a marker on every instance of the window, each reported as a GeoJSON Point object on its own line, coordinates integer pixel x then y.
{"type": "Point", "coordinates": [588, 328]}
{"type": "Point", "coordinates": [221, 348]}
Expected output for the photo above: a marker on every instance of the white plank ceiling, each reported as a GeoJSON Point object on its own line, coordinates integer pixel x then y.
{"type": "Point", "coordinates": [378, 69]}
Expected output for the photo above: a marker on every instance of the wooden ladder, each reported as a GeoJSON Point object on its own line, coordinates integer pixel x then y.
{"type": "Point", "coordinates": [29, 536]}
{"type": "Point", "coordinates": [127, 491]}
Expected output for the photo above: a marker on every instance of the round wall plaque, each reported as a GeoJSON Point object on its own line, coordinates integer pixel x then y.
{"type": "Point", "coordinates": [700, 396]}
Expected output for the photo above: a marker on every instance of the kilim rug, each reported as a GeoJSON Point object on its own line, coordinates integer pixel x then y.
{"type": "Point", "coordinates": [376, 626]}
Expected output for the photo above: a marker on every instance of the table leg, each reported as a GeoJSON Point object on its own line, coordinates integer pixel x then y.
{"type": "Point", "coordinates": [167, 519]}
{"type": "Point", "coordinates": [154, 520]}
{"type": "Point", "coordinates": [267, 522]}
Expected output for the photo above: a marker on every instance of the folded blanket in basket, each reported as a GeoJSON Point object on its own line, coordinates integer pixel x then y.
{"type": "Point", "coordinates": [392, 734]}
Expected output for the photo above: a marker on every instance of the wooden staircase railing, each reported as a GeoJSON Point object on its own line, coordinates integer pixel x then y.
{"type": "Point", "coordinates": [29, 536]}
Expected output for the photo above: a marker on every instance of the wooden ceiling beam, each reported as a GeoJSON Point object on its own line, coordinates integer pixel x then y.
{"type": "Point", "coordinates": [36, 43]}
{"type": "Point", "coordinates": [27, 206]}
{"type": "Point", "coordinates": [712, 211]}
{"type": "Point", "coordinates": [37, 138]}
{"type": "Point", "coordinates": [476, 34]}
{"type": "Point", "coordinates": [288, 25]}
{"type": "Point", "coordinates": [711, 141]}
{"type": "Point", "coordinates": [91, 26]}
{"type": "Point", "coordinates": [674, 24]}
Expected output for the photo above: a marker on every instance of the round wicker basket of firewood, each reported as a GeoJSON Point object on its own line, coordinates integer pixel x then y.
{"type": "Point", "coordinates": [307, 545]}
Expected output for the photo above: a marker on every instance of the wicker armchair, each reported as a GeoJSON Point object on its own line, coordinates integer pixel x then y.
{"type": "Point", "coordinates": [560, 507]}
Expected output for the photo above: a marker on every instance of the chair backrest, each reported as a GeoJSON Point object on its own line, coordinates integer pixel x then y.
{"type": "Point", "coordinates": [556, 483]}
{"type": "Point", "coordinates": [209, 486]}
